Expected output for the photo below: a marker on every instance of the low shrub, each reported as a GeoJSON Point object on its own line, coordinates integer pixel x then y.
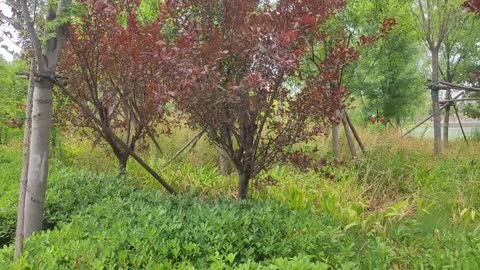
{"type": "Point", "coordinates": [121, 227]}
{"type": "Point", "coordinates": [70, 191]}
{"type": "Point", "coordinates": [9, 178]}
{"type": "Point", "coordinates": [143, 229]}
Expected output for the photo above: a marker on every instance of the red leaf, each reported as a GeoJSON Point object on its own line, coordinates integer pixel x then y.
{"type": "Point", "coordinates": [308, 21]}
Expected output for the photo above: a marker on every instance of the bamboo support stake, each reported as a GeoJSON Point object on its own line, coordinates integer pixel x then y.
{"type": "Point", "coordinates": [460, 123]}
{"type": "Point", "coordinates": [348, 135]}
{"type": "Point", "coordinates": [458, 86]}
{"type": "Point", "coordinates": [179, 152]}
{"type": "Point", "coordinates": [354, 131]}
{"type": "Point", "coordinates": [431, 115]}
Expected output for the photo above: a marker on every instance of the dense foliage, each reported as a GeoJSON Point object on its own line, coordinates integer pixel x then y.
{"type": "Point", "coordinates": [473, 5]}
{"type": "Point", "coordinates": [13, 93]}
{"type": "Point", "coordinates": [261, 79]}
{"type": "Point", "coordinates": [230, 69]}
{"type": "Point", "coordinates": [109, 59]}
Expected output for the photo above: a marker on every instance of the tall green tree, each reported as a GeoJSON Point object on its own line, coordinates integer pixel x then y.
{"type": "Point", "coordinates": [436, 20]}
{"type": "Point", "coordinates": [387, 77]}
{"type": "Point", "coordinates": [459, 57]}
{"type": "Point", "coordinates": [47, 46]}
{"type": "Point", "coordinates": [391, 81]}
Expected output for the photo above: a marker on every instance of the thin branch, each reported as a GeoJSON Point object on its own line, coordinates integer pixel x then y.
{"type": "Point", "coordinates": [37, 46]}
{"type": "Point", "coordinates": [112, 135]}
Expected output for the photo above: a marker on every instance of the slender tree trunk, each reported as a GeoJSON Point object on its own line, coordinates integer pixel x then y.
{"type": "Point", "coordinates": [224, 163]}
{"type": "Point", "coordinates": [437, 134]}
{"type": "Point", "coordinates": [26, 155]}
{"type": "Point", "coordinates": [398, 124]}
{"type": "Point", "coordinates": [42, 113]}
{"type": "Point", "coordinates": [244, 180]}
{"type": "Point", "coordinates": [349, 137]}
{"type": "Point", "coordinates": [122, 164]}
{"type": "Point", "coordinates": [446, 120]}
{"type": "Point", "coordinates": [336, 141]}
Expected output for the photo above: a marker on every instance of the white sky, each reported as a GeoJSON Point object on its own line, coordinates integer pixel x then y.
{"type": "Point", "coordinates": [4, 40]}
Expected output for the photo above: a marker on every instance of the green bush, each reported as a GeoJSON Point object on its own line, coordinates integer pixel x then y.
{"type": "Point", "coordinates": [142, 229]}
{"type": "Point", "coordinates": [9, 178]}
{"type": "Point", "coordinates": [12, 102]}
{"type": "Point", "coordinates": [115, 226]}
{"type": "Point", "coordinates": [70, 191]}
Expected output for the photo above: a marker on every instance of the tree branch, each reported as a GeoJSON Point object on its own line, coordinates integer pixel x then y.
{"type": "Point", "coordinates": [37, 46]}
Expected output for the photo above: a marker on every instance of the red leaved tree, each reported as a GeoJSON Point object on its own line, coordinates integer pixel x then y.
{"type": "Point", "coordinates": [108, 63]}
{"type": "Point", "coordinates": [236, 70]}
{"type": "Point", "coordinates": [473, 5]}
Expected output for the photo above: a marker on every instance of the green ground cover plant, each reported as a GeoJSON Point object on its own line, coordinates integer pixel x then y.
{"type": "Point", "coordinates": [396, 208]}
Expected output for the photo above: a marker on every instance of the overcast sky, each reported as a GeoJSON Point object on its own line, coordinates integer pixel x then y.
{"type": "Point", "coordinates": [5, 40]}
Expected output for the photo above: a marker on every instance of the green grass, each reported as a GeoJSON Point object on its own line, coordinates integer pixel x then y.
{"type": "Point", "coordinates": [395, 208]}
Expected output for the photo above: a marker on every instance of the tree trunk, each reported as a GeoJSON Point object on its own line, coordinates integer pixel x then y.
{"type": "Point", "coordinates": [348, 135]}
{"type": "Point", "coordinates": [437, 133]}
{"type": "Point", "coordinates": [398, 124]}
{"type": "Point", "coordinates": [224, 163]}
{"type": "Point", "coordinates": [336, 141]}
{"type": "Point", "coordinates": [446, 120]}
{"type": "Point", "coordinates": [244, 180]}
{"type": "Point", "coordinates": [26, 155]}
{"type": "Point", "coordinates": [42, 113]}
{"type": "Point", "coordinates": [122, 164]}
{"type": "Point", "coordinates": [109, 133]}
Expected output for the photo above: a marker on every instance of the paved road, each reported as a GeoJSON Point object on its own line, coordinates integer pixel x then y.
{"type": "Point", "coordinates": [469, 125]}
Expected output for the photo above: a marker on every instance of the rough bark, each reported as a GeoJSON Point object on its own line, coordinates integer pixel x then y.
{"type": "Point", "coordinates": [42, 115]}
{"type": "Point", "coordinates": [25, 165]}
{"type": "Point", "coordinates": [244, 180]}
{"type": "Point", "coordinates": [336, 141]}
{"type": "Point", "coordinates": [435, 105]}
